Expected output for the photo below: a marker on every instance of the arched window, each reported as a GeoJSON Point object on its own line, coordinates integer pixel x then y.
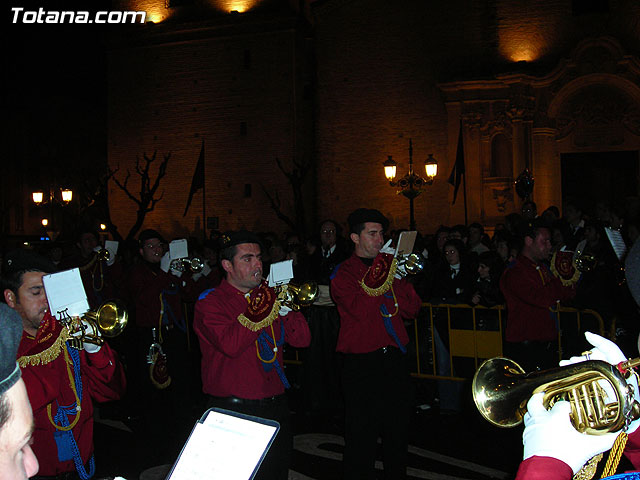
{"type": "Point", "coordinates": [501, 157]}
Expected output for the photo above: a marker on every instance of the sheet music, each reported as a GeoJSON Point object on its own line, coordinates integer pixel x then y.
{"type": "Point", "coordinates": [406, 242]}
{"type": "Point", "coordinates": [617, 242]}
{"type": "Point", "coordinates": [112, 246]}
{"type": "Point", "coordinates": [178, 249]}
{"type": "Point", "coordinates": [65, 291]}
{"type": "Point", "coordinates": [223, 447]}
{"type": "Point", "coordinates": [280, 273]}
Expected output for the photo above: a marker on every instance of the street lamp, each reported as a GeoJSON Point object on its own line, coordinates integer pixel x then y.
{"type": "Point", "coordinates": [41, 198]}
{"type": "Point", "coordinates": [411, 184]}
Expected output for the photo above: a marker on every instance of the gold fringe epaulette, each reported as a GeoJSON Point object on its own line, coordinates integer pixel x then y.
{"type": "Point", "coordinates": [48, 355]}
{"type": "Point", "coordinates": [265, 322]}
{"type": "Point", "coordinates": [382, 289]}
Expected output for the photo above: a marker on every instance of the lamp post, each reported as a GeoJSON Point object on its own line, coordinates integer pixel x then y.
{"type": "Point", "coordinates": [411, 184]}
{"type": "Point", "coordinates": [41, 198]}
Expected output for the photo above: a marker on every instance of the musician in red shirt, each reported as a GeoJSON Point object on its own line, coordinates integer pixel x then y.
{"type": "Point", "coordinates": [242, 329]}
{"type": "Point", "coordinates": [372, 303]}
{"type": "Point", "coordinates": [62, 381]}
{"type": "Point", "coordinates": [529, 289]}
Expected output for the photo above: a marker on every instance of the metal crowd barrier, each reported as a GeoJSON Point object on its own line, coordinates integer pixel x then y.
{"type": "Point", "coordinates": [479, 341]}
{"type": "Point", "coordinates": [478, 337]}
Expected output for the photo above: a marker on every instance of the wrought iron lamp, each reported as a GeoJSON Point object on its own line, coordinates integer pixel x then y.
{"type": "Point", "coordinates": [411, 184]}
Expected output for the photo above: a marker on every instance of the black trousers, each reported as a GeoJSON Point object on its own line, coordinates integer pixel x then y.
{"type": "Point", "coordinates": [378, 399]}
{"type": "Point", "coordinates": [321, 362]}
{"type": "Point", "coordinates": [275, 465]}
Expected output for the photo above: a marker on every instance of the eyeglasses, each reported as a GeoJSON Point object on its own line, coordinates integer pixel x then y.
{"type": "Point", "coordinates": [450, 252]}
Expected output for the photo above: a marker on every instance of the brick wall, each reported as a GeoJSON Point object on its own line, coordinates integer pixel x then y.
{"type": "Point", "coordinates": [378, 64]}
{"type": "Point", "coordinates": [239, 92]}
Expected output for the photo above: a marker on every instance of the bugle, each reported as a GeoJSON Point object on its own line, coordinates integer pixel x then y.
{"type": "Point", "coordinates": [501, 390]}
{"type": "Point", "coordinates": [194, 265]}
{"type": "Point", "coordinates": [413, 263]}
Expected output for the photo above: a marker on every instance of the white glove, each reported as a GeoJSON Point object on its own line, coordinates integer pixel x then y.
{"type": "Point", "coordinates": [89, 347]}
{"type": "Point", "coordinates": [609, 352]}
{"type": "Point", "coordinates": [549, 433]}
{"type": "Point", "coordinates": [165, 262]}
{"type": "Point", "coordinates": [206, 270]}
{"type": "Point", "coordinates": [284, 310]}
{"type": "Point", "coordinates": [176, 272]}
{"type": "Point", "coordinates": [401, 271]}
{"type": "Point", "coordinates": [387, 248]}
{"type": "Point", "coordinates": [604, 350]}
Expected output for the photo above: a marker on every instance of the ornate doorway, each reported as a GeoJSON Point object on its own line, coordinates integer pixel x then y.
{"type": "Point", "coordinates": [592, 177]}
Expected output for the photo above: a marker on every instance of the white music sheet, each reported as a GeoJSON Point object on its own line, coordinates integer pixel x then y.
{"type": "Point", "coordinates": [112, 246]}
{"type": "Point", "coordinates": [65, 291]}
{"type": "Point", "coordinates": [617, 242]}
{"type": "Point", "coordinates": [280, 273]}
{"type": "Point", "coordinates": [178, 249]}
{"type": "Point", "coordinates": [406, 242]}
{"type": "Point", "coordinates": [223, 447]}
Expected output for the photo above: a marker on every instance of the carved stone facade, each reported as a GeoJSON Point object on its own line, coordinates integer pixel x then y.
{"type": "Point", "coordinates": [589, 103]}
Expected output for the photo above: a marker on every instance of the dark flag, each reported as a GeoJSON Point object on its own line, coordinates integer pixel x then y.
{"type": "Point", "coordinates": [458, 168]}
{"type": "Point", "coordinates": [197, 182]}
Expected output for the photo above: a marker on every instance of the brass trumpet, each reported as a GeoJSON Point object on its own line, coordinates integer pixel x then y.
{"type": "Point", "coordinates": [501, 390]}
{"type": "Point", "coordinates": [413, 263]}
{"type": "Point", "coordinates": [109, 319]}
{"type": "Point", "coordinates": [194, 265]}
{"type": "Point", "coordinates": [585, 262]}
{"type": "Point", "coordinates": [103, 255]}
{"type": "Point", "coordinates": [296, 296]}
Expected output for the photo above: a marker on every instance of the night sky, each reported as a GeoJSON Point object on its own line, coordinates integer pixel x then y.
{"type": "Point", "coordinates": [55, 92]}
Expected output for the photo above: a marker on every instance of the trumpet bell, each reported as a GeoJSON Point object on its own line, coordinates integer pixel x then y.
{"type": "Point", "coordinates": [413, 263]}
{"type": "Point", "coordinates": [306, 293]}
{"type": "Point", "coordinates": [104, 255]}
{"type": "Point", "coordinates": [492, 389]}
{"type": "Point", "coordinates": [111, 318]}
{"type": "Point", "coordinates": [297, 296]}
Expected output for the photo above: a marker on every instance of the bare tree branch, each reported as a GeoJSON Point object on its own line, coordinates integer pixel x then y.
{"type": "Point", "coordinates": [275, 205]}
{"type": "Point", "coordinates": [147, 197]}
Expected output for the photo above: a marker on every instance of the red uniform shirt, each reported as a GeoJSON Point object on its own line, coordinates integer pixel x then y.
{"type": "Point", "coordinates": [230, 364]}
{"type": "Point", "coordinates": [102, 380]}
{"type": "Point", "coordinates": [154, 293]}
{"type": "Point", "coordinates": [529, 290]}
{"type": "Point", "coordinates": [362, 327]}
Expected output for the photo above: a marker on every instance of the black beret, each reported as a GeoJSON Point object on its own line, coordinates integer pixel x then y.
{"type": "Point", "coordinates": [25, 260]}
{"type": "Point", "coordinates": [10, 335]}
{"type": "Point", "coordinates": [632, 271]}
{"type": "Point", "coordinates": [148, 234]}
{"type": "Point", "coordinates": [231, 239]}
{"type": "Point", "coordinates": [364, 215]}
